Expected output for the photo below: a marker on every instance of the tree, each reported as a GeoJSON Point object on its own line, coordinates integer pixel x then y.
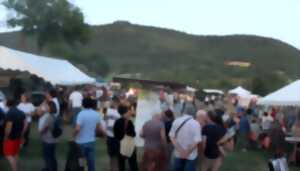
{"type": "Point", "coordinates": [259, 86]}
{"type": "Point", "coordinates": [48, 20]}
{"type": "Point", "coordinates": [263, 84]}
{"type": "Point", "coordinates": [99, 64]}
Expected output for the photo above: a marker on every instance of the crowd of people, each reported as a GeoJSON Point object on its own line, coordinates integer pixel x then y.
{"type": "Point", "coordinates": [185, 136]}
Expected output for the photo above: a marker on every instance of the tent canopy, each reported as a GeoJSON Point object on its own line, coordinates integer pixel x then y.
{"type": "Point", "coordinates": [240, 91]}
{"type": "Point", "coordinates": [213, 91]}
{"type": "Point", "coordinates": [55, 71]}
{"type": "Point", "coordinates": [286, 96]}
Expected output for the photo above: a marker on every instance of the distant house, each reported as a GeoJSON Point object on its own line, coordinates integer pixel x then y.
{"type": "Point", "coordinates": [241, 64]}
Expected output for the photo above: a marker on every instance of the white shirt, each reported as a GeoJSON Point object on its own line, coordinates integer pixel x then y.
{"type": "Point", "coordinates": [188, 135]}
{"type": "Point", "coordinates": [46, 121]}
{"type": "Point", "coordinates": [3, 106]}
{"type": "Point", "coordinates": [28, 109]}
{"type": "Point", "coordinates": [76, 99]}
{"type": "Point", "coordinates": [55, 100]}
{"type": "Point", "coordinates": [99, 93]}
{"type": "Point", "coordinates": [111, 117]}
{"type": "Point", "coordinates": [267, 122]}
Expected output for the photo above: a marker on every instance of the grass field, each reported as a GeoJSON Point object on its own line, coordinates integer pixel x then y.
{"type": "Point", "coordinates": [31, 160]}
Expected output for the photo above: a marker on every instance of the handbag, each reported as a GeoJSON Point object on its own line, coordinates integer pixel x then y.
{"type": "Point", "coordinates": [127, 144]}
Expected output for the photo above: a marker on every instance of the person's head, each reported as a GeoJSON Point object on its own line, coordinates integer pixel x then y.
{"type": "Point", "coordinates": [201, 117]}
{"type": "Point", "coordinates": [189, 109]}
{"type": "Point", "coordinates": [11, 103]}
{"type": "Point", "coordinates": [115, 101]}
{"type": "Point", "coordinates": [89, 103]}
{"type": "Point", "coordinates": [215, 118]}
{"type": "Point", "coordinates": [52, 93]}
{"type": "Point", "coordinates": [125, 111]}
{"type": "Point", "coordinates": [52, 107]}
{"type": "Point", "coordinates": [169, 114]}
{"type": "Point", "coordinates": [24, 98]}
{"type": "Point", "coordinates": [266, 114]}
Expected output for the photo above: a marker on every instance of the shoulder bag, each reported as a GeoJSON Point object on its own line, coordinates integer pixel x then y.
{"type": "Point", "coordinates": [127, 144]}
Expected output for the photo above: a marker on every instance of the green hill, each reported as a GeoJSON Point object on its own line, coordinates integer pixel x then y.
{"type": "Point", "coordinates": [164, 54]}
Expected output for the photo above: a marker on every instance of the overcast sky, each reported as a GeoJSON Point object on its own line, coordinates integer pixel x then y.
{"type": "Point", "coordinates": [272, 18]}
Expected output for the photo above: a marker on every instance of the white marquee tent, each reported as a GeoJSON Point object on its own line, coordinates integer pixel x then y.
{"type": "Point", "coordinates": [240, 91]}
{"type": "Point", "coordinates": [55, 71]}
{"type": "Point", "coordinates": [213, 91]}
{"type": "Point", "coordinates": [286, 96]}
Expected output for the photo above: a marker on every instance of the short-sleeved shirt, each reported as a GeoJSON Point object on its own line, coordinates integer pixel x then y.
{"type": "Point", "coordinates": [213, 134]}
{"type": "Point", "coordinates": [119, 129]}
{"type": "Point", "coordinates": [152, 136]}
{"type": "Point", "coordinates": [17, 118]}
{"type": "Point", "coordinates": [188, 135]}
{"type": "Point", "coordinates": [267, 122]}
{"type": "Point", "coordinates": [27, 108]}
{"type": "Point", "coordinates": [47, 121]}
{"type": "Point", "coordinates": [111, 117]}
{"type": "Point", "coordinates": [76, 99]}
{"type": "Point", "coordinates": [87, 120]}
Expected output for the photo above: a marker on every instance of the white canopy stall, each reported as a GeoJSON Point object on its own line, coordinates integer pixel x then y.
{"type": "Point", "coordinates": [244, 96]}
{"type": "Point", "coordinates": [286, 96]}
{"type": "Point", "coordinates": [214, 91]}
{"type": "Point", "coordinates": [240, 91]}
{"type": "Point", "coordinates": [55, 71]}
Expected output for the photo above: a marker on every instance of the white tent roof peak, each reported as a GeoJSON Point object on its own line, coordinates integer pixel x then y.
{"type": "Point", "coordinates": [55, 71]}
{"type": "Point", "coordinates": [213, 91]}
{"type": "Point", "coordinates": [240, 91]}
{"type": "Point", "coordinates": [289, 95]}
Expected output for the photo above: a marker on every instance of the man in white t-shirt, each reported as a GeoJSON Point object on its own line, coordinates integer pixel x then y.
{"type": "Point", "coordinates": [75, 102]}
{"type": "Point", "coordinates": [185, 135]}
{"type": "Point", "coordinates": [75, 99]}
{"type": "Point", "coordinates": [28, 109]}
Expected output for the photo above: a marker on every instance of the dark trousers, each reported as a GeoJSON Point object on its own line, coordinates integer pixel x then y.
{"type": "Point", "coordinates": [184, 165]}
{"type": "Point", "coordinates": [113, 146]}
{"type": "Point", "coordinates": [49, 156]}
{"type": "Point", "coordinates": [26, 136]}
{"type": "Point", "coordinates": [131, 160]}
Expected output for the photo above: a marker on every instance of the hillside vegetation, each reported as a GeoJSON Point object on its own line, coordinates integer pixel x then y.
{"type": "Point", "coordinates": [162, 54]}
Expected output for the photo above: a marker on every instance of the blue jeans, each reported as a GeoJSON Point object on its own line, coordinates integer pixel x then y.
{"type": "Point", "coordinates": [184, 165]}
{"type": "Point", "coordinates": [88, 151]}
{"type": "Point", "coordinates": [49, 156]}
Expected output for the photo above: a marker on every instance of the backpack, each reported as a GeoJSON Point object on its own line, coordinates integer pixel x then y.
{"type": "Point", "coordinates": [57, 130]}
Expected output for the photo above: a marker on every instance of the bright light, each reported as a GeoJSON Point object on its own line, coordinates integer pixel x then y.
{"type": "Point", "coordinates": [131, 92]}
